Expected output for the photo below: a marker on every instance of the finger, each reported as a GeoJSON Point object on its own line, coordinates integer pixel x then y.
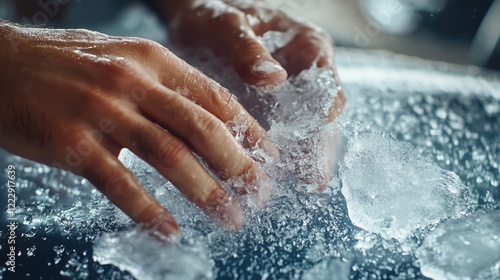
{"type": "Point", "coordinates": [308, 48]}
{"type": "Point", "coordinates": [251, 60]}
{"type": "Point", "coordinates": [175, 161]}
{"type": "Point", "coordinates": [215, 99]}
{"type": "Point", "coordinates": [111, 146]}
{"type": "Point", "coordinates": [312, 47]}
{"type": "Point", "coordinates": [100, 136]}
{"type": "Point", "coordinates": [338, 104]}
{"type": "Point", "coordinates": [310, 44]}
{"type": "Point", "coordinates": [117, 183]}
{"type": "Point", "coordinates": [207, 136]}
{"type": "Point", "coordinates": [202, 131]}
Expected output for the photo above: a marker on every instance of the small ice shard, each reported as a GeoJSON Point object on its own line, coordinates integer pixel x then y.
{"type": "Point", "coordinates": [137, 252]}
{"type": "Point", "coordinates": [392, 191]}
{"type": "Point", "coordinates": [465, 248]}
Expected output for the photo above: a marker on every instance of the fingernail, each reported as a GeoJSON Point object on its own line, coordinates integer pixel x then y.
{"type": "Point", "coordinates": [266, 67]}
{"type": "Point", "coordinates": [170, 230]}
{"type": "Point", "coordinates": [230, 215]}
{"type": "Point", "coordinates": [271, 149]}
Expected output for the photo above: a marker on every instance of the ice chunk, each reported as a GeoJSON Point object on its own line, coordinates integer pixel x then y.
{"type": "Point", "coordinates": [299, 124]}
{"type": "Point", "coordinates": [139, 253]}
{"type": "Point", "coordinates": [302, 104]}
{"type": "Point", "coordinates": [391, 190]}
{"type": "Point", "coordinates": [465, 248]}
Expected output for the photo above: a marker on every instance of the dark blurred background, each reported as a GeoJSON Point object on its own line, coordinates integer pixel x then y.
{"type": "Point", "coordinates": [457, 31]}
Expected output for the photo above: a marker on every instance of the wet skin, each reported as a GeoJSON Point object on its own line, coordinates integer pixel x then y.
{"type": "Point", "coordinates": [74, 98]}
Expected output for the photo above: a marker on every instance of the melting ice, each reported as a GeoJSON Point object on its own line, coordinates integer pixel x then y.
{"type": "Point", "coordinates": [391, 190]}
{"type": "Point", "coordinates": [465, 248]}
{"type": "Point", "coordinates": [147, 258]}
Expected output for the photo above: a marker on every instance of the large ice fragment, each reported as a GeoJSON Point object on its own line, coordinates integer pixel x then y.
{"type": "Point", "coordinates": [391, 190]}
{"type": "Point", "coordinates": [300, 128]}
{"type": "Point", "coordinates": [139, 253]}
{"type": "Point", "coordinates": [466, 248]}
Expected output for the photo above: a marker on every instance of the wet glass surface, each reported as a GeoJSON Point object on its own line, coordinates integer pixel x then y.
{"type": "Point", "coordinates": [408, 127]}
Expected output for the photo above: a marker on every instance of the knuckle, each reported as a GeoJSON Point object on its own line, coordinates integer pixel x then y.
{"type": "Point", "coordinates": [214, 197]}
{"type": "Point", "coordinates": [88, 98]}
{"type": "Point", "coordinates": [143, 140]}
{"type": "Point", "coordinates": [93, 99]}
{"type": "Point", "coordinates": [247, 165]}
{"type": "Point", "coordinates": [87, 34]}
{"type": "Point", "coordinates": [254, 130]}
{"type": "Point", "coordinates": [144, 47]}
{"type": "Point", "coordinates": [113, 70]}
{"type": "Point", "coordinates": [223, 101]}
{"type": "Point", "coordinates": [173, 153]}
{"type": "Point", "coordinates": [119, 186]}
{"type": "Point", "coordinates": [248, 44]}
{"type": "Point", "coordinates": [231, 16]}
{"type": "Point", "coordinates": [70, 134]}
{"type": "Point", "coordinates": [160, 148]}
{"type": "Point", "coordinates": [210, 129]}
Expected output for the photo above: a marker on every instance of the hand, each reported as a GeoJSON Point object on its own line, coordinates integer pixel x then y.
{"type": "Point", "coordinates": [74, 98]}
{"type": "Point", "coordinates": [233, 27]}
